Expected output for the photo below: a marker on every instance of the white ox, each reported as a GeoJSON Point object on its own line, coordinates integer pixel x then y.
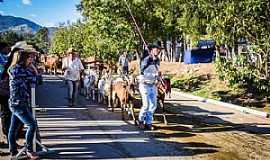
{"type": "Point", "coordinates": [104, 87]}
{"type": "Point", "coordinates": [89, 81]}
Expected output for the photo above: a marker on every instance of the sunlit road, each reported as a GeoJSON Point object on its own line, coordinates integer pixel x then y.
{"type": "Point", "coordinates": [89, 131]}
{"type": "Point", "coordinates": [196, 130]}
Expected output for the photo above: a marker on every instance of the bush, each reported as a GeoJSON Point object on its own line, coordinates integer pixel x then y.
{"type": "Point", "coordinates": [187, 82]}
{"type": "Point", "coordinates": [239, 73]}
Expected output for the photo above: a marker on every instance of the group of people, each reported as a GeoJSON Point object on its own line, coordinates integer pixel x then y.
{"type": "Point", "coordinates": [148, 78]}
{"type": "Point", "coordinates": [18, 73]}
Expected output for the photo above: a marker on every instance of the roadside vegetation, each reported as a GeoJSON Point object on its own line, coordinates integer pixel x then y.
{"type": "Point", "coordinates": [212, 86]}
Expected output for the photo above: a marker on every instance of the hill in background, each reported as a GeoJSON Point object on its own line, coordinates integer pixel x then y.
{"type": "Point", "coordinates": [18, 25]}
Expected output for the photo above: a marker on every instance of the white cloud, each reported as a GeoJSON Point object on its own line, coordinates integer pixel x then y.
{"type": "Point", "coordinates": [49, 24]}
{"type": "Point", "coordinates": [1, 13]}
{"type": "Point", "coordinates": [26, 2]}
{"type": "Point", "coordinates": [33, 15]}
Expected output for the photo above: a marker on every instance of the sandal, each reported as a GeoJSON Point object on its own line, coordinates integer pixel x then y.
{"type": "Point", "coordinates": [32, 155]}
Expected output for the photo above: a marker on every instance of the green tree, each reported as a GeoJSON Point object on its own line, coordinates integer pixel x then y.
{"type": "Point", "coordinates": [10, 37]}
{"type": "Point", "coordinates": [111, 21]}
{"type": "Point", "coordinates": [108, 29]}
{"type": "Point", "coordinates": [40, 40]}
{"type": "Point", "coordinates": [60, 41]}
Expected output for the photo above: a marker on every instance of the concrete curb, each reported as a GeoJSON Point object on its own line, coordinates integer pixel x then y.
{"type": "Point", "coordinates": [228, 105]}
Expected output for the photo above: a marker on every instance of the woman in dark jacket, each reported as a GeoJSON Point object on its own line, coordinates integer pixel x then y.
{"type": "Point", "coordinates": [22, 74]}
{"type": "Point", "coordinates": [5, 111]}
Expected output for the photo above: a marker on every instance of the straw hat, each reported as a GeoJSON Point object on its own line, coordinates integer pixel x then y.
{"type": "Point", "coordinates": [19, 45]}
{"type": "Point", "coordinates": [30, 49]}
{"type": "Point", "coordinates": [71, 50]}
{"type": "Point", "coordinates": [22, 45]}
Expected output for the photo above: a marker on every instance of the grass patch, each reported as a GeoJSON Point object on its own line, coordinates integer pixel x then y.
{"type": "Point", "coordinates": [211, 87]}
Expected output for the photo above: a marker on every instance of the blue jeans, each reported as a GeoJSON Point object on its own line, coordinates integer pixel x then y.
{"type": "Point", "coordinates": [73, 87]}
{"type": "Point", "coordinates": [149, 102]}
{"type": "Point", "coordinates": [21, 113]}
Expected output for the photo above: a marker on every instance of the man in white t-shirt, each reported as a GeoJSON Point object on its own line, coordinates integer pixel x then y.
{"type": "Point", "coordinates": [72, 67]}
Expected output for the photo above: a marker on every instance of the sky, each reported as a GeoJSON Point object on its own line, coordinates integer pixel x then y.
{"type": "Point", "coordinates": [47, 13]}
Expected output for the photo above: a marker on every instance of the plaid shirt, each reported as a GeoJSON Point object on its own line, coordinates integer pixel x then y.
{"type": "Point", "coordinates": [20, 82]}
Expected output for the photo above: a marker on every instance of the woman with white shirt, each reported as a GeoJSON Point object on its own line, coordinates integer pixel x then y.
{"type": "Point", "coordinates": [72, 67]}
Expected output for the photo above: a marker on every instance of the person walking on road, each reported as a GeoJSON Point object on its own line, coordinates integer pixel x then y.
{"type": "Point", "coordinates": [72, 67]}
{"type": "Point", "coordinates": [148, 79]}
{"type": "Point", "coordinates": [123, 63]}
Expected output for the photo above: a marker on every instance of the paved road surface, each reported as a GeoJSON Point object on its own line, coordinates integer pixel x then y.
{"type": "Point", "coordinates": [196, 130]}
{"type": "Point", "coordinates": [89, 131]}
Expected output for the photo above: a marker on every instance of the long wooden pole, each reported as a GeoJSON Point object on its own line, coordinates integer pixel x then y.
{"type": "Point", "coordinates": [136, 25]}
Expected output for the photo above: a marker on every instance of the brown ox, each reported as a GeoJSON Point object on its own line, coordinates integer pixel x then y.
{"type": "Point", "coordinates": [50, 63]}
{"type": "Point", "coordinates": [122, 96]}
{"type": "Point", "coordinates": [162, 89]}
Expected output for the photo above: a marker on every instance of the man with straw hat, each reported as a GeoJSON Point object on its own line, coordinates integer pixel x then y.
{"type": "Point", "coordinates": [72, 67]}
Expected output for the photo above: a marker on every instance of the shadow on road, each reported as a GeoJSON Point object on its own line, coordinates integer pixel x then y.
{"type": "Point", "coordinates": [205, 121]}
{"type": "Point", "coordinates": [89, 131]}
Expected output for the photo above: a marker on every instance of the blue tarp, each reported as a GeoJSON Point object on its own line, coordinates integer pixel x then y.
{"type": "Point", "coordinates": [199, 55]}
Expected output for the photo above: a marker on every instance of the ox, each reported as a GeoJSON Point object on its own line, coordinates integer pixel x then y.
{"type": "Point", "coordinates": [50, 63]}
{"type": "Point", "coordinates": [104, 88]}
{"type": "Point", "coordinates": [89, 83]}
{"type": "Point", "coordinates": [121, 95]}
{"type": "Point", "coordinates": [161, 88]}
{"type": "Point", "coordinates": [118, 90]}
